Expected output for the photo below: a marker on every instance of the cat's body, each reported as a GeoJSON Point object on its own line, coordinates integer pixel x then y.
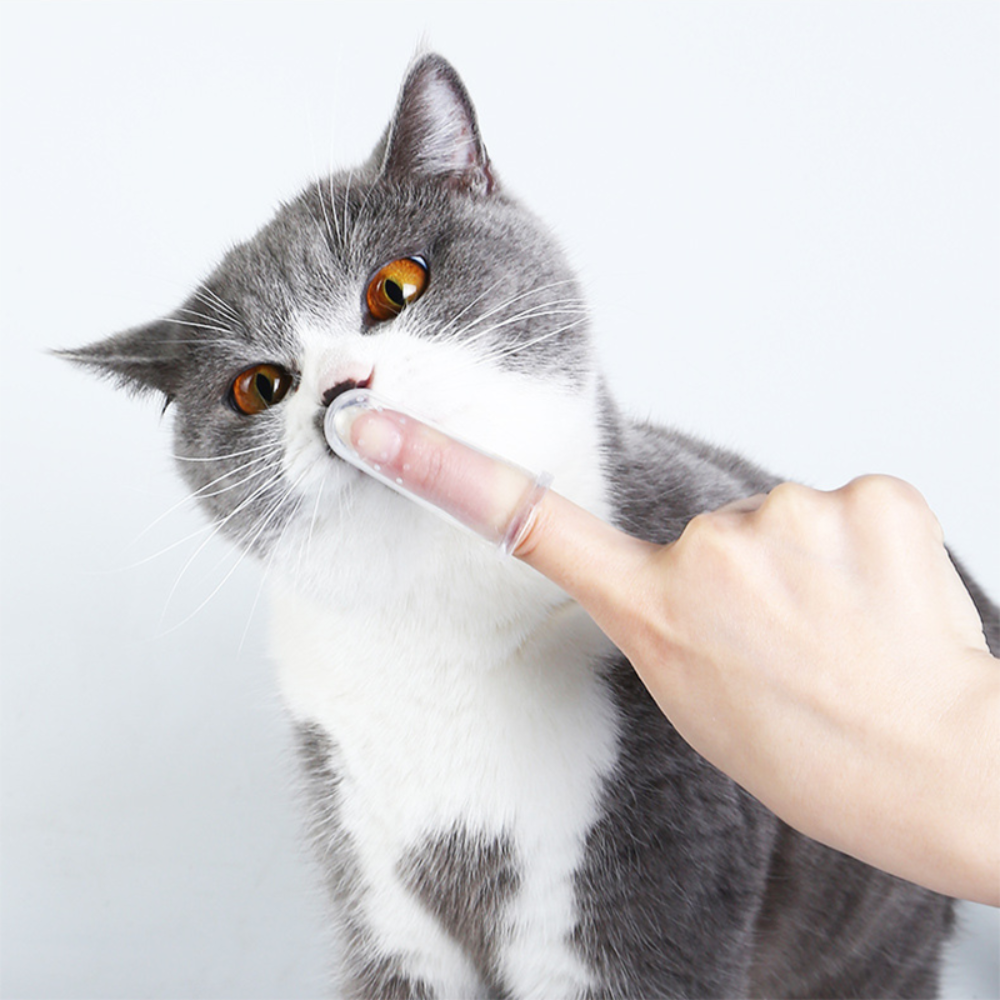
{"type": "Point", "coordinates": [499, 807]}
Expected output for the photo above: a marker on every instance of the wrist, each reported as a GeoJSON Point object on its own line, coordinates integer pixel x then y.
{"type": "Point", "coordinates": [969, 819]}
{"type": "Point", "coordinates": [945, 793]}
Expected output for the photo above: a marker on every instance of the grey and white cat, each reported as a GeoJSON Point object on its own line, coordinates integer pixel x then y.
{"type": "Point", "coordinates": [499, 807]}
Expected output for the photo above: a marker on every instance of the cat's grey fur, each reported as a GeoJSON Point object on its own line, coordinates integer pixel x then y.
{"type": "Point", "coordinates": [687, 886]}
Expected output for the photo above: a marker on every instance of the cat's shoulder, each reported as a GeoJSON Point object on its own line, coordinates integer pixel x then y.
{"type": "Point", "coordinates": [661, 477]}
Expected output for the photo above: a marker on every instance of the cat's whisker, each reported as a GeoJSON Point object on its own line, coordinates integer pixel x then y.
{"type": "Point", "coordinates": [568, 307]}
{"type": "Point", "coordinates": [211, 298]}
{"type": "Point", "coordinates": [246, 546]}
{"type": "Point", "coordinates": [348, 227]}
{"type": "Point", "coordinates": [507, 303]}
{"type": "Point", "coordinates": [359, 217]}
{"type": "Point", "coordinates": [315, 514]}
{"type": "Point", "coordinates": [225, 335]}
{"type": "Point", "coordinates": [215, 590]}
{"type": "Point", "coordinates": [444, 329]}
{"type": "Point", "coordinates": [217, 528]}
{"type": "Point", "coordinates": [210, 322]}
{"type": "Point", "coordinates": [252, 612]}
{"type": "Point", "coordinates": [274, 551]}
{"type": "Point", "coordinates": [270, 340]}
{"type": "Point", "coordinates": [166, 548]}
{"type": "Point", "coordinates": [221, 458]}
{"type": "Point", "coordinates": [208, 327]}
{"type": "Point", "coordinates": [346, 499]}
{"type": "Point", "coordinates": [504, 306]}
{"type": "Point", "coordinates": [324, 191]}
{"type": "Point", "coordinates": [208, 491]}
{"type": "Point", "coordinates": [457, 365]}
{"type": "Point", "coordinates": [333, 207]}
{"type": "Point", "coordinates": [535, 313]}
{"type": "Point", "coordinates": [277, 548]}
{"type": "Point", "coordinates": [109, 360]}
{"type": "Point", "coordinates": [174, 342]}
{"type": "Point", "coordinates": [335, 238]}
{"type": "Point", "coordinates": [245, 541]}
{"type": "Point", "coordinates": [517, 348]}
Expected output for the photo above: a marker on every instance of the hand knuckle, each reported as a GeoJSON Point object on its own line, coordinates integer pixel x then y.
{"type": "Point", "coordinates": [532, 533]}
{"type": "Point", "coordinates": [788, 500]}
{"type": "Point", "coordinates": [881, 491]}
{"type": "Point", "coordinates": [706, 533]}
{"type": "Point", "coordinates": [882, 498]}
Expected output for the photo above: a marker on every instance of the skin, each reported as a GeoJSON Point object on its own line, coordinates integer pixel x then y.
{"type": "Point", "coordinates": [818, 647]}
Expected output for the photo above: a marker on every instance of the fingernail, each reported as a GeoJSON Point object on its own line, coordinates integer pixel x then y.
{"type": "Point", "coordinates": [358, 430]}
{"type": "Point", "coordinates": [376, 438]}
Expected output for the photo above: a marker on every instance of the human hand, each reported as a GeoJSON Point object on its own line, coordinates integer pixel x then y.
{"type": "Point", "coordinates": [818, 647]}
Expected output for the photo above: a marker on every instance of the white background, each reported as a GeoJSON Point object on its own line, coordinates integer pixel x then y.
{"type": "Point", "coordinates": [787, 219]}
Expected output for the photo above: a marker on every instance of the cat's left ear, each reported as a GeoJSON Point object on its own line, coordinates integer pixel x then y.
{"type": "Point", "coordinates": [143, 359]}
{"type": "Point", "coordinates": [434, 133]}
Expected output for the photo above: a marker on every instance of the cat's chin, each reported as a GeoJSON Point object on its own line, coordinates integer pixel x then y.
{"type": "Point", "coordinates": [370, 549]}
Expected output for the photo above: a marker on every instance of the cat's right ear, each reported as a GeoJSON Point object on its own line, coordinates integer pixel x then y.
{"type": "Point", "coordinates": [143, 359]}
{"type": "Point", "coordinates": [434, 133]}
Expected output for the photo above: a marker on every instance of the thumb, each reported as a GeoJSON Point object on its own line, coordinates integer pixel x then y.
{"type": "Point", "coordinates": [499, 501]}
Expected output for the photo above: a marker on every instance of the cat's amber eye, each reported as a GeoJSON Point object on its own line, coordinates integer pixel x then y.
{"type": "Point", "coordinates": [260, 387]}
{"type": "Point", "coordinates": [394, 286]}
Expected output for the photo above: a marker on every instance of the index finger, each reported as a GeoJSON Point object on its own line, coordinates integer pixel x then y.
{"type": "Point", "coordinates": [590, 559]}
{"type": "Point", "coordinates": [502, 502]}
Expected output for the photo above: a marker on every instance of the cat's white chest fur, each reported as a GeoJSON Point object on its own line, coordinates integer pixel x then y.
{"type": "Point", "coordinates": [443, 723]}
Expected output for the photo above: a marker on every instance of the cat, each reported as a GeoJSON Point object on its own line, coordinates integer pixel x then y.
{"type": "Point", "coordinates": [498, 806]}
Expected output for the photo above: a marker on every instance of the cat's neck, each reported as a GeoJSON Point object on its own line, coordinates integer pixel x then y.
{"type": "Point", "coordinates": [377, 584]}
{"type": "Point", "coordinates": [415, 641]}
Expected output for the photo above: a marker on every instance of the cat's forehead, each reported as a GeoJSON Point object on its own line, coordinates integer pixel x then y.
{"type": "Point", "coordinates": [337, 230]}
{"type": "Point", "coordinates": [318, 253]}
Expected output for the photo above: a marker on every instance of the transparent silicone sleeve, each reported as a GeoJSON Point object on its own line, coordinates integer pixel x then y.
{"type": "Point", "coordinates": [488, 495]}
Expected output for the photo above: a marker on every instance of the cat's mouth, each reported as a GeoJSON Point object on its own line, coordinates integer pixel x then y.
{"type": "Point", "coordinates": [341, 387]}
{"type": "Point", "coordinates": [338, 390]}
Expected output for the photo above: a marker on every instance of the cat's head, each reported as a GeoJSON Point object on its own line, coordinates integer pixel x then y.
{"type": "Point", "coordinates": [415, 273]}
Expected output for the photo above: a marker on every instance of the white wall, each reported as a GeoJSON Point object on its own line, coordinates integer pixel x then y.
{"type": "Point", "coordinates": [787, 218]}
